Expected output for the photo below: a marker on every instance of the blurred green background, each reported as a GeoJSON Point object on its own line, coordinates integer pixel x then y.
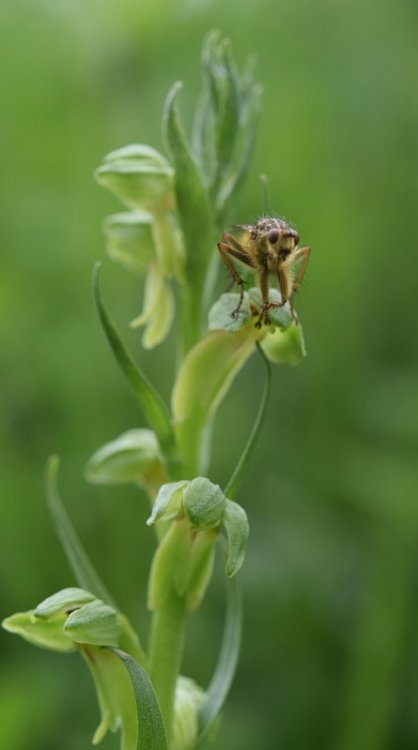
{"type": "Point", "coordinates": [330, 652]}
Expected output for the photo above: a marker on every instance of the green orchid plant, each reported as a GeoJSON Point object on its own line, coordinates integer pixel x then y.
{"type": "Point", "coordinates": [175, 210]}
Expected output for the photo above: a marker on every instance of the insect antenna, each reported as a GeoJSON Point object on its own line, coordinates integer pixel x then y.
{"type": "Point", "coordinates": [265, 195]}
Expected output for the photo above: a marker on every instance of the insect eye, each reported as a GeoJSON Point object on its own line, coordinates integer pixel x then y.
{"type": "Point", "coordinates": [273, 236]}
{"type": "Point", "coordinates": [297, 238]}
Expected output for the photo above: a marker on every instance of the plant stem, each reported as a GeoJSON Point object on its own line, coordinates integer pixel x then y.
{"type": "Point", "coordinates": [166, 647]}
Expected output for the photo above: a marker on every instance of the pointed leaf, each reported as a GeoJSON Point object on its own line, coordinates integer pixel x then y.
{"type": "Point", "coordinates": [154, 408]}
{"type": "Point", "coordinates": [152, 734]}
{"type": "Point", "coordinates": [227, 662]}
{"type": "Point", "coordinates": [233, 485]}
{"type": "Point", "coordinates": [76, 556]}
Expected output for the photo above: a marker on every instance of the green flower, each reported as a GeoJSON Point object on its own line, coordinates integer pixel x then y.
{"type": "Point", "coordinates": [145, 240]}
{"type": "Point", "coordinates": [75, 620]}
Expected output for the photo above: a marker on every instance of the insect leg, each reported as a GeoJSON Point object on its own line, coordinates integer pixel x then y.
{"type": "Point", "coordinates": [263, 282]}
{"type": "Point", "coordinates": [233, 248]}
{"type": "Point", "coordinates": [303, 253]}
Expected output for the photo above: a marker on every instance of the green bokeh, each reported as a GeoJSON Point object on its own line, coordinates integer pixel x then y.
{"type": "Point", "coordinates": [330, 653]}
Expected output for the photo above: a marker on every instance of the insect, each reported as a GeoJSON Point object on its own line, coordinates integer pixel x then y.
{"type": "Point", "coordinates": [268, 247]}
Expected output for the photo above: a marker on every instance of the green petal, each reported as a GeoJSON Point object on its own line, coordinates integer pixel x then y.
{"type": "Point", "coordinates": [129, 239]}
{"type": "Point", "coordinates": [168, 502]}
{"type": "Point", "coordinates": [158, 312]}
{"type": "Point", "coordinates": [235, 522]}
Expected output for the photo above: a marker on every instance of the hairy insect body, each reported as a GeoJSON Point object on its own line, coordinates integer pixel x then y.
{"type": "Point", "coordinates": [269, 247]}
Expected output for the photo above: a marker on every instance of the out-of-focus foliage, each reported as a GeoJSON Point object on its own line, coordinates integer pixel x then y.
{"type": "Point", "coordinates": [330, 644]}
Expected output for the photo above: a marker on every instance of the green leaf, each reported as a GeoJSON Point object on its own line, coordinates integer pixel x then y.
{"type": "Point", "coordinates": [285, 347]}
{"type": "Point", "coordinates": [195, 218]}
{"type": "Point", "coordinates": [132, 456]}
{"type": "Point", "coordinates": [62, 601]}
{"type": "Point", "coordinates": [154, 408]}
{"type": "Point", "coordinates": [40, 632]}
{"type": "Point", "coordinates": [76, 556]}
{"type": "Point", "coordinates": [228, 120]}
{"type": "Point", "coordinates": [227, 662]}
{"type": "Point", "coordinates": [222, 317]}
{"type": "Point", "coordinates": [234, 482]}
{"type": "Point", "coordinates": [167, 504]}
{"type": "Point", "coordinates": [204, 503]}
{"type": "Point", "coordinates": [95, 623]}
{"type": "Point", "coordinates": [202, 382]}
{"type": "Point", "coordinates": [235, 523]}
{"type": "Point", "coordinates": [152, 734]}
{"type": "Point", "coordinates": [192, 202]}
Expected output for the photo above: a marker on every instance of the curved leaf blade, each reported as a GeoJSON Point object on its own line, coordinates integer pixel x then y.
{"type": "Point", "coordinates": [152, 733]}
{"type": "Point", "coordinates": [78, 559]}
{"type": "Point", "coordinates": [153, 405]}
{"type": "Point", "coordinates": [232, 487]}
{"type": "Point", "coordinates": [227, 662]}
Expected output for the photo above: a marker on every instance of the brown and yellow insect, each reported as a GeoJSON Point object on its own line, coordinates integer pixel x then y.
{"type": "Point", "coordinates": [268, 247]}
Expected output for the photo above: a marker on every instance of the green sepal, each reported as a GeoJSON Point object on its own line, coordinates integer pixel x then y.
{"type": "Point", "coordinates": [204, 503]}
{"type": "Point", "coordinates": [139, 176]}
{"type": "Point", "coordinates": [134, 456]}
{"type": "Point", "coordinates": [77, 557]}
{"type": "Point", "coordinates": [153, 405]}
{"type": "Point", "coordinates": [62, 602]}
{"type": "Point", "coordinates": [129, 239]}
{"type": "Point", "coordinates": [167, 504]}
{"type": "Point", "coordinates": [235, 523]}
{"type": "Point", "coordinates": [222, 317]}
{"type": "Point", "coordinates": [47, 634]}
{"type": "Point", "coordinates": [285, 347]}
{"type": "Point", "coordinates": [203, 380]}
{"type": "Point", "coordinates": [95, 623]}
{"type": "Point", "coordinates": [280, 317]}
